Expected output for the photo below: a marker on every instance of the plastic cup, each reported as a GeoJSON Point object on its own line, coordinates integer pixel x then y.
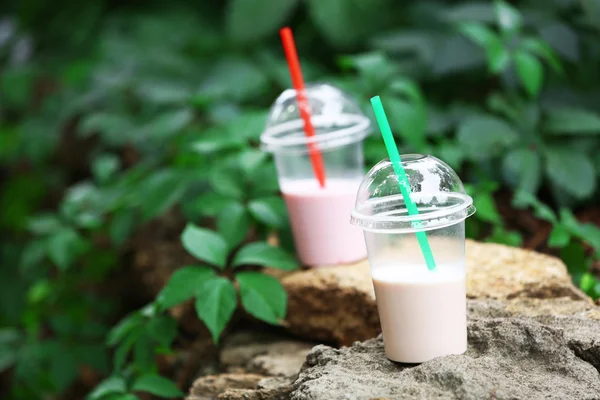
{"type": "Point", "coordinates": [422, 312]}
{"type": "Point", "coordinates": [319, 215]}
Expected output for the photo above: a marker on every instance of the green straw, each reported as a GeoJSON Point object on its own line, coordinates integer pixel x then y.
{"type": "Point", "coordinates": [392, 150]}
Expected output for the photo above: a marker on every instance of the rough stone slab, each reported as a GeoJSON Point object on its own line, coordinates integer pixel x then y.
{"type": "Point", "coordinates": [257, 365]}
{"type": "Point", "coordinates": [337, 304]}
{"type": "Point", "coordinates": [263, 353]}
{"type": "Point", "coordinates": [240, 386]}
{"type": "Point", "coordinates": [545, 357]}
{"type": "Point", "coordinates": [210, 387]}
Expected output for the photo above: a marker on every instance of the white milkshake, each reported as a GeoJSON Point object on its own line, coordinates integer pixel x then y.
{"type": "Point", "coordinates": [423, 313]}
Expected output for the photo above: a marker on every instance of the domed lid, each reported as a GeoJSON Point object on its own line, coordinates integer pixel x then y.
{"type": "Point", "coordinates": [336, 118]}
{"type": "Point", "coordinates": [435, 188]}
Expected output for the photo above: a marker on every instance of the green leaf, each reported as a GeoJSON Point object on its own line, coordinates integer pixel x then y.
{"type": "Point", "coordinates": [483, 136]}
{"type": "Point", "coordinates": [563, 39]}
{"type": "Point", "coordinates": [163, 329]}
{"type": "Point", "coordinates": [144, 352]}
{"type": "Point", "coordinates": [164, 125]}
{"type": "Point", "coordinates": [250, 160]}
{"type": "Point", "coordinates": [262, 296]}
{"type": "Point", "coordinates": [497, 55]}
{"type": "Point", "coordinates": [227, 179]}
{"type": "Point", "coordinates": [183, 285]}
{"type": "Point", "coordinates": [215, 304]}
{"type": "Point", "coordinates": [574, 257]}
{"type": "Point", "coordinates": [16, 86]}
{"type": "Point", "coordinates": [113, 384]}
{"type": "Point", "coordinates": [207, 205]}
{"type": "Point", "coordinates": [121, 226]}
{"type": "Point", "coordinates": [572, 121]}
{"type": "Point", "coordinates": [542, 50]}
{"type": "Point", "coordinates": [33, 254]}
{"type": "Point", "coordinates": [508, 17]}
{"type": "Point", "coordinates": [568, 219]}
{"type": "Point", "coordinates": [480, 12]}
{"type": "Point", "coordinates": [270, 211]}
{"type": "Point", "coordinates": [572, 172]}
{"type": "Point", "coordinates": [156, 385]}
{"type": "Point", "coordinates": [590, 233]}
{"type": "Point", "coordinates": [262, 253]}
{"type": "Point", "coordinates": [104, 166]}
{"type": "Point", "coordinates": [217, 139]}
{"type": "Point", "coordinates": [63, 366]}
{"type": "Point", "coordinates": [588, 284]}
{"type": "Point", "coordinates": [40, 291]}
{"type": "Point", "coordinates": [523, 168]}
{"type": "Point", "coordinates": [123, 349]}
{"type": "Point", "coordinates": [559, 237]}
{"type": "Point", "coordinates": [408, 120]}
{"type": "Point", "coordinates": [503, 236]}
{"type": "Point", "coordinates": [164, 93]}
{"type": "Point", "coordinates": [345, 22]}
{"type": "Point", "coordinates": [264, 181]}
{"type": "Point", "coordinates": [486, 208]}
{"type": "Point", "coordinates": [115, 128]}
{"type": "Point", "coordinates": [233, 224]}
{"type": "Point", "coordinates": [544, 212]}
{"type": "Point", "coordinates": [120, 331]}
{"type": "Point", "coordinates": [530, 72]}
{"type": "Point", "coordinates": [44, 224]}
{"type": "Point", "coordinates": [65, 246]}
{"type": "Point", "coordinates": [9, 347]}
{"type": "Point", "coordinates": [205, 245]}
{"type": "Point", "coordinates": [233, 78]}
{"type": "Point", "coordinates": [160, 191]}
{"type": "Point", "coordinates": [249, 20]}
{"type": "Point", "coordinates": [127, 396]}
{"type": "Point", "coordinates": [451, 153]}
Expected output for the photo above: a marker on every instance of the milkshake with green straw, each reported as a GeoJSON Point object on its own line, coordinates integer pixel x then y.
{"type": "Point", "coordinates": [411, 209]}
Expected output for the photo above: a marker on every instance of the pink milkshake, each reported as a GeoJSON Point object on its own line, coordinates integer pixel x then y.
{"type": "Point", "coordinates": [423, 313]}
{"type": "Point", "coordinates": [422, 307]}
{"type": "Point", "coordinates": [319, 220]}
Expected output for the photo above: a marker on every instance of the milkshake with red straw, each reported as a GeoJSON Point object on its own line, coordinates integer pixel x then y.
{"type": "Point", "coordinates": [315, 134]}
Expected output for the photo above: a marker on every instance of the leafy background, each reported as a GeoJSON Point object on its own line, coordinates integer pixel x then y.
{"type": "Point", "coordinates": [124, 118]}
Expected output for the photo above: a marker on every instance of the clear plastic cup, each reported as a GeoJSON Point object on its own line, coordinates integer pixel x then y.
{"type": "Point", "coordinates": [422, 311]}
{"type": "Point", "coordinates": [319, 216]}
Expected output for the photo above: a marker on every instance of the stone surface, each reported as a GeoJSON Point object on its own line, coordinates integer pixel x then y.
{"type": "Point", "coordinates": [210, 387]}
{"type": "Point", "coordinates": [509, 357]}
{"type": "Point", "coordinates": [258, 366]}
{"type": "Point", "coordinates": [263, 353]}
{"type": "Point", "coordinates": [240, 386]}
{"type": "Point", "coordinates": [337, 304]}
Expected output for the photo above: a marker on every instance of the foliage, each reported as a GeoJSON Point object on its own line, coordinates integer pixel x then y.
{"type": "Point", "coordinates": [111, 116]}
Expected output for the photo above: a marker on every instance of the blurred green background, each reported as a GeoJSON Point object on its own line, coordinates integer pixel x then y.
{"type": "Point", "coordinates": [120, 117]}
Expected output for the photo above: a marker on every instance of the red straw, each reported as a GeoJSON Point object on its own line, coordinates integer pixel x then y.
{"type": "Point", "coordinates": [298, 82]}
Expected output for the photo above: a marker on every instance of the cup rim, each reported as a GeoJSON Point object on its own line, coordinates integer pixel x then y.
{"type": "Point", "coordinates": [270, 142]}
{"type": "Point", "coordinates": [437, 218]}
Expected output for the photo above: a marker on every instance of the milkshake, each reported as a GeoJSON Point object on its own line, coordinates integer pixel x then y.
{"type": "Point", "coordinates": [319, 208]}
{"type": "Point", "coordinates": [422, 306]}
{"type": "Point", "coordinates": [319, 221]}
{"type": "Point", "coordinates": [422, 313]}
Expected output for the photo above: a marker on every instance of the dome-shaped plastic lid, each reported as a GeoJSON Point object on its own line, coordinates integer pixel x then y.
{"type": "Point", "coordinates": [336, 118]}
{"type": "Point", "coordinates": [436, 190]}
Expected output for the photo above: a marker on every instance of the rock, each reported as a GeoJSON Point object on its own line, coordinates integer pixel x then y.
{"type": "Point", "coordinates": [210, 387]}
{"type": "Point", "coordinates": [337, 304]}
{"type": "Point", "coordinates": [263, 353]}
{"type": "Point", "coordinates": [503, 272]}
{"type": "Point", "coordinates": [267, 389]}
{"type": "Point", "coordinates": [240, 386]}
{"type": "Point", "coordinates": [258, 365]}
{"type": "Point", "coordinates": [509, 357]}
